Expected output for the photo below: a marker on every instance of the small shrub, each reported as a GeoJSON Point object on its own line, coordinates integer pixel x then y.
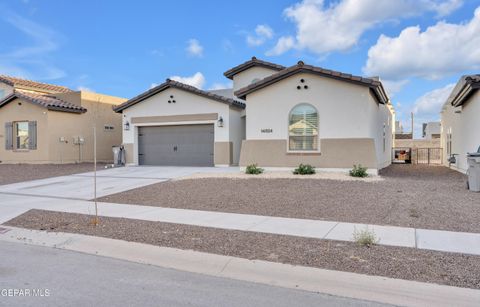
{"type": "Point", "coordinates": [359, 171]}
{"type": "Point", "coordinates": [253, 169]}
{"type": "Point", "coordinates": [365, 237]}
{"type": "Point", "coordinates": [304, 169]}
{"type": "Point", "coordinates": [414, 213]}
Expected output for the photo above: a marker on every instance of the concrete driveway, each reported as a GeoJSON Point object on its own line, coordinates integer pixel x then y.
{"type": "Point", "coordinates": [109, 181]}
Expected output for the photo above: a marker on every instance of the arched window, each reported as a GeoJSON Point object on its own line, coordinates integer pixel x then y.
{"type": "Point", "coordinates": [303, 128]}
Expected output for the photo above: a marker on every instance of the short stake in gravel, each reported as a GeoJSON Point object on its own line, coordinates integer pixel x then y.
{"type": "Point", "coordinates": [95, 220]}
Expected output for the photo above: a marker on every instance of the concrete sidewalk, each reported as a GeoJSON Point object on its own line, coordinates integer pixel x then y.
{"type": "Point", "coordinates": [458, 242]}
{"type": "Point", "coordinates": [371, 288]}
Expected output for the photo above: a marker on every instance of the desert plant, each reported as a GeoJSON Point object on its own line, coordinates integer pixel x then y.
{"type": "Point", "coordinates": [304, 169]}
{"type": "Point", "coordinates": [253, 169]}
{"type": "Point", "coordinates": [365, 237]}
{"type": "Point", "coordinates": [358, 171]}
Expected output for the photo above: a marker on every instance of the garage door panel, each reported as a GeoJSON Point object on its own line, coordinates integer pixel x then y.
{"type": "Point", "coordinates": [186, 145]}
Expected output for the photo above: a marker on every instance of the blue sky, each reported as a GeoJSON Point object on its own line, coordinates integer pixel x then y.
{"type": "Point", "coordinates": [419, 48]}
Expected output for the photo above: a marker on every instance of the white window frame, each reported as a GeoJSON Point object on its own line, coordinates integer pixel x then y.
{"type": "Point", "coordinates": [292, 151]}
{"type": "Point", "coordinates": [15, 135]}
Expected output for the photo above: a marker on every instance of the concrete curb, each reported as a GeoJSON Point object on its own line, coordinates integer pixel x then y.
{"type": "Point", "coordinates": [357, 286]}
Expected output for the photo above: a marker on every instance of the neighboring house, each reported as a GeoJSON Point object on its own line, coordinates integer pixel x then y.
{"type": "Point", "coordinates": [460, 122]}
{"type": "Point", "coordinates": [431, 130]}
{"type": "Point", "coordinates": [398, 127]}
{"type": "Point", "coordinates": [44, 123]}
{"type": "Point", "coordinates": [276, 117]}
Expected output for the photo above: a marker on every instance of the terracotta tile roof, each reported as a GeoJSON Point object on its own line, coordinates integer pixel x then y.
{"type": "Point", "coordinates": [464, 89]}
{"type": "Point", "coordinates": [13, 81]}
{"type": "Point", "coordinates": [46, 101]}
{"type": "Point", "coordinates": [249, 64]}
{"type": "Point", "coordinates": [175, 84]}
{"type": "Point", "coordinates": [375, 85]}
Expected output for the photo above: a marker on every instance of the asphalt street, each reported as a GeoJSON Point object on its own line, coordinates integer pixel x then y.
{"type": "Point", "coordinates": [55, 277]}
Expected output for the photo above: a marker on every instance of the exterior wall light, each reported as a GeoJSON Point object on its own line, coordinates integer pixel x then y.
{"type": "Point", "coordinates": [220, 122]}
{"type": "Point", "coordinates": [127, 126]}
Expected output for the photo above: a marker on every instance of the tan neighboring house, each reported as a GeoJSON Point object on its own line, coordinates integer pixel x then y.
{"type": "Point", "coordinates": [275, 116]}
{"type": "Point", "coordinates": [460, 133]}
{"type": "Point", "coordinates": [44, 123]}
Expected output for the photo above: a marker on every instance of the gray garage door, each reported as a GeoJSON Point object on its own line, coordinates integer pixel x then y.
{"type": "Point", "coordinates": [185, 145]}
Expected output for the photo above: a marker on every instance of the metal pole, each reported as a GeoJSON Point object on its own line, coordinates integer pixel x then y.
{"type": "Point", "coordinates": [95, 173]}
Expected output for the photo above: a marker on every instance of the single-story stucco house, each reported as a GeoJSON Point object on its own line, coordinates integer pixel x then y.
{"type": "Point", "coordinates": [45, 123]}
{"type": "Point", "coordinates": [275, 116]}
{"type": "Point", "coordinates": [460, 122]}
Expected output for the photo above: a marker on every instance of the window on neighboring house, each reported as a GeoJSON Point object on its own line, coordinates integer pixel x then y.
{"type": "Point", "coordinates": [303, 128]}
{"type": "Point", "coordinates": [384, 138]}
{"type": "Point", "coordinates": [2, 93]}
{"type": "Point", "coordinates": [449, 142]}
{"type": "Point", "coordinates": [21, 135]}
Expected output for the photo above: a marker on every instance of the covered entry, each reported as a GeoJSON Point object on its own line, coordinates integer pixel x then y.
{"type": "Point", "coordinates": [182, 145]}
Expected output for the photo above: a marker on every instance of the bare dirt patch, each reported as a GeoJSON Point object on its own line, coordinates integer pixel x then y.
{"type": "Point", "coordinates": [397, 262]}
{"type": "Point", "coordinates": [409, 196]}
{"type": "Point", "coordinates": [12, 173]}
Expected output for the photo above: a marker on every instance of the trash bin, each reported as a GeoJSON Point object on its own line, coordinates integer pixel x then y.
{"type": "Point", "coordinates": [118, 156]}
{"type": "Point", "coordinates": [473, 160]}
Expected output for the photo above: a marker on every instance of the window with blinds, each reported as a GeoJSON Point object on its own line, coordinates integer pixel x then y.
{"type": "Point", "coordinates": [303, 128]}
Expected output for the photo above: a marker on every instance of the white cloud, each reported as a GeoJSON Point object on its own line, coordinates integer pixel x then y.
{"type": "Point", "coordinates": [31, 61]}
{"type": "Point", "coordinates": [262, 34]}
{"type": "Point", "coordinates": [393, 87]}
{"type": "Point", "coordinates": [440, 50]}
{"type": "Point", "coordinates": [85, 89]}
{"type": "Point", "coordinates": [194, 48]}
{"type": "Point", "coordinates": [221, 86]}
{"type": "Point", "coordinates": [284, 44]}
{"type": "Point", "coordinates": [430, 104]}
{"type": "Point", "coordinates": [197, 80]}
{"type": "Point", "coordinates": [322, 28]}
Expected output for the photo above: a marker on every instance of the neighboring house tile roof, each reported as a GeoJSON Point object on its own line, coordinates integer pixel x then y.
{"type": "Point", "coordinates": [13, 81]}
{"type": "Point", "coordinates": [375, 86]}
{"type": "Point", "coordinates": [46, 101]}
{"type": "Point", "coordinates": [175, 84]}
{"type": "Point", "coordinates": [249, 64]}
{"type": "Point", "coordinates": [464, 89]}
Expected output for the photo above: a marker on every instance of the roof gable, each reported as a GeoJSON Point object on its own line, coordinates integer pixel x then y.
{"type": "Point", "coordinates": [17, 82]}
{"type": "Point", "coordinates": [46, 101]}
{"type": "Point", "coordinates": [254, 62]}
{"type": "Point", "coordinates": [181, 86]}
{"type": "Point", "coordinates": [375, 86]}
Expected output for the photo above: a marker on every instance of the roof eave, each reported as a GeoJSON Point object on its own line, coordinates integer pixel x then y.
{"type": "Point", "coordinates": [465, 93]}
{"type": "Point", "coordinates": [169, 84]}
{"type": "Point", "coordinates": [68, 110]}
{"type": "Point", "coordinates": [236, 70]}
{"type": "Point", "coordinates": [376, 86]}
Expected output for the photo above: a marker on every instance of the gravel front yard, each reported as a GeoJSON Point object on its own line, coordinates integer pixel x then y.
{"type": "Point", "coordinates": [396, 262]}
{"type": "Point", "coordinates": [11, 173]}
{"type": "Point", "coordinates": [410, 195]}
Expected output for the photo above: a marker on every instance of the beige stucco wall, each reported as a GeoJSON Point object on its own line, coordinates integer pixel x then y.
{"type": "Point", "coordinates": [187, 105]}
{"type": "Point", "coordinates": [52, 125]}
{"type": "Point", "coordinates": [223, 153]}
{"type": "Point", "coordinates": [25, 112]}
{"type": "Point", "coordinates": [247, 77]}
{"type": "Point", "coordinates": [346, 111]}
{"type": "Point", "coordinates": [336, 153]}
{"type": "Point", "coordinates": [432, 143]}
{"type": "Point", "coordinates": [465, 127]}
{"type": "Point", "coordinates": [70, 127]}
